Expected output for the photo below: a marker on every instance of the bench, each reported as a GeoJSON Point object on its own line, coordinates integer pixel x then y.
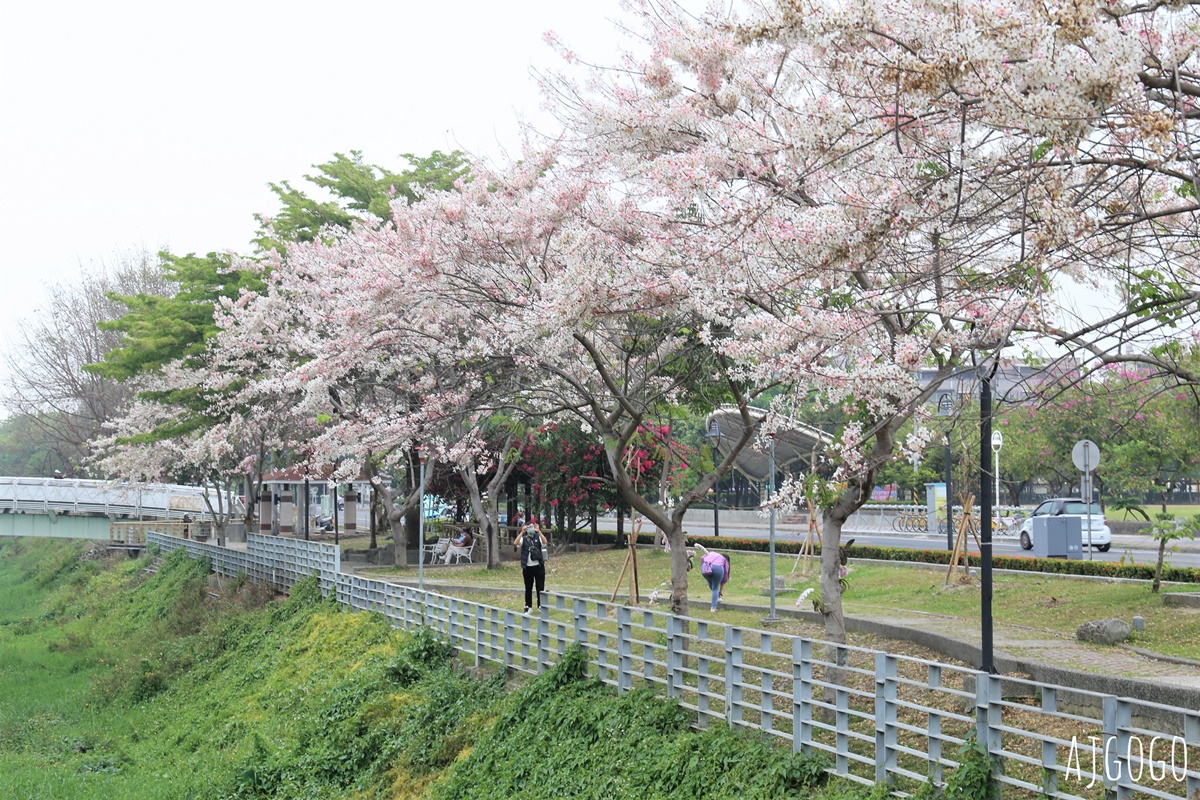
{"type": "Point", "coordinates": [459, 553]}
{"type": "Point", "coordinates": [434, 548]}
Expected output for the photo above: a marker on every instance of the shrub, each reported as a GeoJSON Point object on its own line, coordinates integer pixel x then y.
{"type": "Point", "coordinates": [1059, 566]}
{"type": "Point", "coordinates": [420, 652]}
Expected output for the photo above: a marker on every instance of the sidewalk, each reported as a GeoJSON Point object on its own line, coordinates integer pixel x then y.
{"type": "Point", "coordinates": [1054, 648]}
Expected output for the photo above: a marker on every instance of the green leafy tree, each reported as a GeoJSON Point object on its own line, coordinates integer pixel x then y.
{"type": "Point", "coordinates": [159, 329]}
{"type": "Point", "coordinates": [1167, 529]}
{"type": "Point", "coordinates": [1026, 452]}
{"type": "Point", "coordinates": [358, 190]}
{"type": "Point", "coordinates": [26, 448]}
{"type": "Point", "coordinates": [1161, 447]}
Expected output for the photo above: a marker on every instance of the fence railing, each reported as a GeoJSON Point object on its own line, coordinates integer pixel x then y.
{"type": "Point", "coordinates": [914, 519]}
{"type": "Point", "coordinates": [133, 534]}
{"type": "Point", "coordinates": [879, 717]}
{"type": "Point", "coordinates": [78, 496]}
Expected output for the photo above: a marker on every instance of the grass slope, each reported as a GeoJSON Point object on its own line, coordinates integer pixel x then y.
{"type": "Point", "coordinates": [120, 683]}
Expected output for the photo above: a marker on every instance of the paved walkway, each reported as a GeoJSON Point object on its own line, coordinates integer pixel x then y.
{"type": "Point", "coordinates": [1055, 648]}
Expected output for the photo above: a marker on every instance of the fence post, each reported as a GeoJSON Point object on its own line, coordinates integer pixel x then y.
{"type": "Point", "coordinates": [802, 695]}
{"type": "Point", "coordinates": [1191, 735]}
{"type": "Point", "coordinates": [1118, 775]}
{"type": "Point", "coordinates": [624, 649]}
{"type": "Point", "coordinates": [885, 717]}
{"type": "Point", "coordinates": [1050, 749]}
{"type": "Point", "coordinates": [674, 656]}
{"type": "Point", "coordinates": [581, 631]}
{"type": "Point", "coordinates": [543, 640]}
{"type": "Point", "coordinates": [987, 718]}
{"type": "Point", "coordinates": [934, 725]}
{"type": "Point", "coordinates": [733, 675]}
{"type": "Point", "coordinates": [510, 642]}
{"type": "Point", "coordinates": [478, 635]}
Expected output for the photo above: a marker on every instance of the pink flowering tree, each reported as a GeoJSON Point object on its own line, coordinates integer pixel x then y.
{"type": "Point", "coordinates": [855, 193]}
{"type": "Point", "coordinates": [339, 335]}
{"type": "Point", "coordinates": [585, 298]}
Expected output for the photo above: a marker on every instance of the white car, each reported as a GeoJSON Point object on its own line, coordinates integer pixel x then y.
{"type": "Point", "coordinates": [1070, 507]}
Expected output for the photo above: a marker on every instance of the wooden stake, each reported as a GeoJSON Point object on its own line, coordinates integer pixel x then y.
{"type": "Point", "coordinates": [630, 562]}
{"type": "Point", "coordinates": [621, 579]}
{"type": "Point", "coordinates": [966, 524]}
{"type": "Point", "coordinates": [814, 532]}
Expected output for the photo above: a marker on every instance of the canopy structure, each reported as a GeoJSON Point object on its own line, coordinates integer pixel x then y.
{"type": "Point", "coordinates": [797, 443]}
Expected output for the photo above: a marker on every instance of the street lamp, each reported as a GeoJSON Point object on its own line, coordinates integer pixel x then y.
{"type": "Point", "coordinates": [997, 443]}
{"type": "Point", "coordinates": [421, 528]}
{"type": "Point", "coordinates": [985, 521]}
{"type": "Point", "coordinates": [771, 499]}
{"type": "Point", "coordinates": [714, 437]}
{"type": "Point", "coordinates": [945, 408]}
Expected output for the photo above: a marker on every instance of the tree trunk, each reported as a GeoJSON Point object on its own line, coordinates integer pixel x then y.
{"type": "Point", "coordinates": [488, 512]}
{"type": "Point", "coordinates": [403, 518]}
{"type": "Point", "coordinates": [831, 589]}
{"type": "Point", "coordinates": [254, 486]}
{"type": "Point", "coordinates": [1162, 549]}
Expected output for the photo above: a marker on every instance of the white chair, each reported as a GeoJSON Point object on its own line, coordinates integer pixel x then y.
{"type": "Point", "coordinates": [459, 553]}
{"type": "Point", "coordinates": [434, 549]}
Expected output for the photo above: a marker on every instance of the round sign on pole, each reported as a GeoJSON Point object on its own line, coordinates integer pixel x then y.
{"type": "Point", "coordinates": [1085, 455]}
{"type": "Point", "coordinates": [997, 440]}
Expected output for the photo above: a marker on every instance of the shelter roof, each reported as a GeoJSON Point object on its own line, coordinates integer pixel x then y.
{"type": "Point", "coordinates": [797, 443]}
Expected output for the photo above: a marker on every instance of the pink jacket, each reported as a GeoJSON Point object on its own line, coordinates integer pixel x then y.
{"type": "Point", "coordinates": [706, 565]}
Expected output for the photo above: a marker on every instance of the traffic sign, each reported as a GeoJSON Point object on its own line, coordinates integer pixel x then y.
{"type": "Point", "coordinates": [1085, 455]}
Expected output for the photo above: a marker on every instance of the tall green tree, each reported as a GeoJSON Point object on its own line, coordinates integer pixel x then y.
{"type": "Point", "coordinates": [162, 329]}
{"type": "Point", "coordinates": [27, 448]}
{"type": "Point", "coordinates": [357, 190]}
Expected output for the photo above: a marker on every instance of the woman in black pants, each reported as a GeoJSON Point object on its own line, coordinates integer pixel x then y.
{"type": "Point", "coordinates": [531, 544]}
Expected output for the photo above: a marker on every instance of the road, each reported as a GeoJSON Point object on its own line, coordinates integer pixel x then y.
{"type": "Point", "coordinates": [1141, 549]}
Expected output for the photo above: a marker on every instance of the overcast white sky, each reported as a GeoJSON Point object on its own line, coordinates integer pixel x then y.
{"type": "Point", "coordinates": [148, 125]}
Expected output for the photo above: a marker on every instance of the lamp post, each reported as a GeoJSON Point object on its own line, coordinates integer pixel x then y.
{"type": "Point", "coordinates": [307, 507]}
{"type": "Point", "coordinates": [771, 499]}
{"type": "Point", "coordinates": [985, 522]}
{"type": "Point", "coordinates": [949, 466]}
{"type": "Point", "coordinates": [421, 528]}
{"type": "Point", "coordinates": [945, 408]}
{"type": "Point", "coordinates": [997, 443]}
{"type": "Point", "coordinates": [714, 437]}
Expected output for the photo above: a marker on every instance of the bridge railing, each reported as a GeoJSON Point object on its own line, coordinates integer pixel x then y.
{"type": "Point", "coordinates": [72, 495]}
{"type": "Point", "coordinates": [881, 718]}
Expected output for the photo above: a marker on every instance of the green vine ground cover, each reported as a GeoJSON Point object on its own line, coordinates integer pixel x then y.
{"type": "Point", "coordinates": [116, 682]}
{"type": "Point", "coordinates": [1052, 603]}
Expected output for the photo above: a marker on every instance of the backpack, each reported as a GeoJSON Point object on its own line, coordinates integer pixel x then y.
{"type": "Point", "coordinates": [531, 547]}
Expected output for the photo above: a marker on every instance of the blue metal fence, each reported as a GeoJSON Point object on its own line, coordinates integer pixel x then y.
{"type": "Point", "coordinates": [880, 717]}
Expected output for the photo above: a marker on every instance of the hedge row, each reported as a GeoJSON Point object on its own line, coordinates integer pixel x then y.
{"type": "Point", "coordinates": [1061, 566]}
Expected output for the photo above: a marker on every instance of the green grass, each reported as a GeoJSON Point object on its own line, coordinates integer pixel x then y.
{"type": "Point", "coordinates": [1051, 603]}
{"type": "Point", "coordinates": [119, 683]}
{"type": "Point", "coordinates": [1180, 510]}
